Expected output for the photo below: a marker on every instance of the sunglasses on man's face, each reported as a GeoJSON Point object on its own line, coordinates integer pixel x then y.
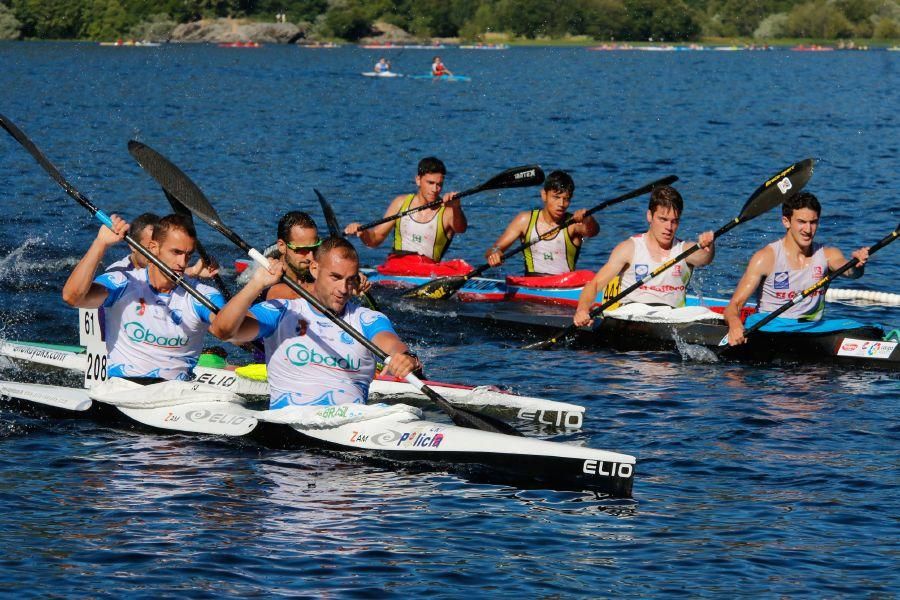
{"type": "Point", "coordinates": [299, 248]}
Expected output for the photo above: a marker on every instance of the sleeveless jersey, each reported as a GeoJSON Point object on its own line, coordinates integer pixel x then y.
{"type": "Point", "coordinates": [312, 361]}
{"type": "Point", "coordinates": [785, 283]}
{"type": "Point", "coordinates": [549, 257]}
{"type": "Point", "coordinates": [152, 334]}
{"type": "Point", "coordinates": [669, 287]}
{"type": "Point", "coordinates": [428, 239]}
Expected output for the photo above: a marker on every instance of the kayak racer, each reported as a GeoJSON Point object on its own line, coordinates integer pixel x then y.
{"type": "Point", "coordinates": [311, 361]}
{"type": "Point", "coordinates": [382, 66]}
{"type": "Point", "coordinates": [639, 255]}
{"type": "Point", "coordinates": [438, 69]}
{"type": "Point", "coordinates": [153, 328]}
{"type": "Point", "coordinates": [420, 239]}
{"type": "Point", "coordinates": [784, 268]}
{"type": "Point", "coordinates": [557, 254]}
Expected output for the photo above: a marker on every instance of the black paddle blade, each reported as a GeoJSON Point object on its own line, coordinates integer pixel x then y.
{"type": "Point", "coordinates": [438, 288]}
{"type": "Point", "coordinates": [334, 227]}
{"type": "Point", "coordinates": [526, 176]}
{"type": "Point", "coordinates": [174, 181]}
{"type": "Point", "coordinates": [778, 188]}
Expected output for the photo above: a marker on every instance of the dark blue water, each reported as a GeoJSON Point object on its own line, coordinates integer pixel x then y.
{"type": "Point", "coordinates": [750, 480]}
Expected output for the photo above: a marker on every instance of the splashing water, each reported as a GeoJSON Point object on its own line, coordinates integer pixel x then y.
{"type": "Point", "coordinates": [694, 352]}
{"type": "Point", "coordinates": [15, 266]}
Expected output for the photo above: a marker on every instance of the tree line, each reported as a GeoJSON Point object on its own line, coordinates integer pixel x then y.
{"type": "Point", "coordinates": [603, 20]}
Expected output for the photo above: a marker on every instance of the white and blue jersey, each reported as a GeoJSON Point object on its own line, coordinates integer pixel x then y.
{"type": "Point", "coordinates": [123, 264]}
{"type": "Point", "coordinates": [153, 334]}
{"type": "Point", "coordinates": [312, 361]}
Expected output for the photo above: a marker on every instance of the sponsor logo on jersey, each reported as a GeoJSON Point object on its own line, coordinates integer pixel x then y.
{"type": "Point", "coordinates": [136, 332]}
{"type": "Point", "coordinates": [141, 307]}
{"type": "Point", "coordinates": [301, 356]}
{"type": "Point", "coordinates": [817, 272]}
{"type": "Point", "coordinates": [346, 338]}
{"type": "Point", "coordinates": [641, 271]}
{"type": "Point", "coordinates": [302, 326]}
{"type": "Point", "coordinates": [176, 317]}
{"type": "Point", "coordinates": [369, 317]}
{"type": "Point", "coordinates": [782, 280]}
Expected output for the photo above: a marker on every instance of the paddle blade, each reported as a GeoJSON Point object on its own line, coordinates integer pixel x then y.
{"type": "Point", "coordinates": [334, 227]}
{"type": "Point", "coordinates": [778, 188]}
{"type": "Point", "coordinates": [174, 181]}
{"type": "Point", "coordinates": [526, 176]}
{"type": "Point", "coordinates": [438, 288]}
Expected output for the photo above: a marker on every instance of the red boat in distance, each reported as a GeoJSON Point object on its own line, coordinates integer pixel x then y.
{"type": "Point", "coordinates": [240, 45]}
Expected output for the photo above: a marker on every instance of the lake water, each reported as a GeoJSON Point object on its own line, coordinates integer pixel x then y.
{"type": "Point", "coordinates": [750, 481]}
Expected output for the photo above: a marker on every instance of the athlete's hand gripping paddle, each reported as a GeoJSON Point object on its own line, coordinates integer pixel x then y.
{"type": "Point", "coordinates": [770, 194]}
{"type": "Point", "coordinates": [101, 216]}
{"type": "Point", "coordinates": [445, 287]}
{"type": "Point", "coordinates": [186, 191]}
{"type": "Point", "coordinates": [526, 176]}
{"type": "Point", "coordinates": [723, 343]}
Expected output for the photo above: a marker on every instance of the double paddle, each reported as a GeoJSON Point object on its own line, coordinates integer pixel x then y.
{"type": "Point", "coordinates": [334, 230]}
{"type": "Point", "coordinates": [516, 177]}
{"type": "Point", "coordinates": [173, 180]}
{"type": "Point", "coordinates": [445, 287]}
{"type": "Point", "coordinates": [723, 344]}
{"type": "Point", "coordinates": [770, 194]}
{"type": "Point", "coordinates": [101, 216]}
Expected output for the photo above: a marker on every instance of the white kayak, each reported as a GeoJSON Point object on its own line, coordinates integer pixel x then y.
{"type": "Point", "coordinates": [395, 433]}
{"type": "Point", "coordinates": [388, 74]}
{"type": "Point", "coordinates": [484, 399]}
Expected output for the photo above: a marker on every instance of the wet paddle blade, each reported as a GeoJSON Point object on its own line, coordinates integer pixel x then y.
{"type": "Point", "coordinates": [777, 188]}
{"type": "Point", "coordinates": [526, 176]}
{"type": "Point", "coordinates": [174, 181]}
{"type": "Point", "coordinates": [334, 227]}
{"type": "Point", "coordinates": [438, 288]}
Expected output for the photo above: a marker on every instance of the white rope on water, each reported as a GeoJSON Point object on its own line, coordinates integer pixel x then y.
{"type": "Point", "coordinates": [862, 296]}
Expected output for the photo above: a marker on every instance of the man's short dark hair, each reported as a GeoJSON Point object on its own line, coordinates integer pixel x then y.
{"type": "Point", "coordinates": [293, 219]}
{"type": "Point", "coordinates": [143, 221]}
{"type": "Point", "coordinates": [798, 201]}
{"type": "Point", "coordinates": [336, 243]}
{"type": "Point", "coordinates": [430, 164]}
{"type": "Point", "coordinates": [559, 181]}
{"type": "Point", "coordinates": [665, 196]}
{"type": "Point", "coordinates": [171, 222]}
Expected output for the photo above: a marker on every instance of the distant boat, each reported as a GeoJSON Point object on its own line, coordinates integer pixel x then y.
{"type": "Point", "coordinates": [320, 45]}
{"type": "Point", "coordinates": [240, 45]}
{"type": "Point", "coordinates": [388, 74]}
{"type": "Point", "coordinates": [813, 48]}
{"type": "Point", "coordinates": [130, 43]}
{"type": "Point", "coordinates": [392, 46]}
{"type": "Point", "coordinates": [442, 77]}
{"type": "Point", "coordinates": [485, 47]}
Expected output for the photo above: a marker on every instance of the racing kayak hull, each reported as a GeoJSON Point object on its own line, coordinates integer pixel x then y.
{"type": "Point", "coordinates": [390, 439]}
{"type": "Point", "coordinates": [488, 400]}
{"type": "Point", "coordinates": [859, 346]}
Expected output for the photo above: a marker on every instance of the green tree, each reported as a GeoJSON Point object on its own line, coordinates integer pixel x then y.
{"type": "Point", "coordinates": [818, 19]}
{"type": "Point", "coordinates": [10, 26]}
{"type": "Point", "coordinates": [660, 20]}
{"type": "Point", "coordinates": [104, 19]}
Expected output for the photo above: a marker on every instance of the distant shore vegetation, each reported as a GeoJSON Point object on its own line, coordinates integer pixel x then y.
{"type": "Point", "coordinates": [353, 20]}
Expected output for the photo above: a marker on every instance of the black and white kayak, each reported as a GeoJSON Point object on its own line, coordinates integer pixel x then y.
{"type": "Point", "coordinates": [251, 381]}
{"type": "Point", "coordinates": [639, 327]}
{"type": "Point", "coordinates": [391, 434]}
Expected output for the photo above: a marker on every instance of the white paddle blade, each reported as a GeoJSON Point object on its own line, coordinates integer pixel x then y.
{"type": "Point", "coordinates": [215, 418]}
{"type": "Point", "coordinates": [50, 395]}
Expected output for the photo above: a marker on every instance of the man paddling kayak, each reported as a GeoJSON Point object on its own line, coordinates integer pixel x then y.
{"type": "Point", "coordinates": [298, 238]}
{"type": "Point", "coordinates": [153, 327]}
{"type": "Point", "coordinates": [421, 239]}
{"type": "Point", "coordinates": [142, 231]}
{"type": "Point", "coordinates": [788, 266]}
{"type": "Point", "coordinates": [382, 66]}
{"type": "Point", "coordinates": [438, 69]}
{"type": "Point", "coordinates": [639, 255]}
{"type": "Point", "coordinates": [557, 254]}
{"type": "Point", "coordinates": [310, 361]}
